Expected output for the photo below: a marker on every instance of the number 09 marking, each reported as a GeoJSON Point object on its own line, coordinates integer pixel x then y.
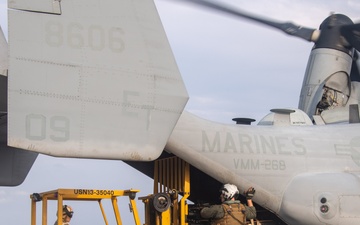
{"type": "Point", "coordinates": [37, 129]}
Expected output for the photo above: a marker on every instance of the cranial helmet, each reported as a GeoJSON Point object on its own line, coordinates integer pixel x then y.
{"type": "Point", "coordinates": [67, 210]}
{"type": "Point", "coordinates": [229, 191]}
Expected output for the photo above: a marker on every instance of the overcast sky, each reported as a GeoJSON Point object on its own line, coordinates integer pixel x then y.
{"type": "Point", "coordinates": [231, 68]}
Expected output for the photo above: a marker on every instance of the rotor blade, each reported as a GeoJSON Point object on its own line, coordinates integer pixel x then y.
{"type": "Point", "coordinates": [352, 34]}
{"type": "Point", "coordinates": [287, 27]}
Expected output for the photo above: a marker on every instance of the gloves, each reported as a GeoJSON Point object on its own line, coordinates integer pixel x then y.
{"type": "Point", "coordinates": [249, 194]}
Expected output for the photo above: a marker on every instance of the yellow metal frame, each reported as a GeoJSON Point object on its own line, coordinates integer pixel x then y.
{"type": "Point", "coordinates": [83, 195]}
{"type": "Point", "coordinates": [173, 175]}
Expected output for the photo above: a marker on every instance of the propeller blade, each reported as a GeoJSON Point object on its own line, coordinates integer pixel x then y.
{"type": "Point", "coordinates": [352, 34]}
{"type": "Point", "coordinates": [287, 27]}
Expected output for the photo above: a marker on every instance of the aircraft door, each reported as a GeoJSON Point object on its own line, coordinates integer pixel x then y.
{"type": "Point", "coordinates": [349, 208]}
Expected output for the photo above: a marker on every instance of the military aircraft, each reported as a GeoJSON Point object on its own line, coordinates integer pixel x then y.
{"type": "Point", "coordinates": [105, 85]}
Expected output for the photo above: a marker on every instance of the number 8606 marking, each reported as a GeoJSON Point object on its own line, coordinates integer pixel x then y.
{"type": "Point", "coordinates": [74, 35]}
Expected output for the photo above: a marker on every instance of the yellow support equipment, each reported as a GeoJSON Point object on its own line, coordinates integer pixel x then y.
{"type": "Point", "coordinates": [83, 195]}
{"type": "Point", "coordinates": [171, 179]}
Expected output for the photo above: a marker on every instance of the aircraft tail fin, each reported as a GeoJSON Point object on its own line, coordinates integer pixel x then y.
{"type": "Point", "coordinates": [15, 164]}
{"type": "Point", "coordinates": [96, 79]}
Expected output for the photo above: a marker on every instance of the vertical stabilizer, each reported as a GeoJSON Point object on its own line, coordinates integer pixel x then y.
{"type": "Point", "coordinates": [98, 80]}
{"type": "Point", "coordinates": [15, 164]}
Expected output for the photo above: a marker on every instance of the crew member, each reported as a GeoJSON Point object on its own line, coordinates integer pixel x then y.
{"type": "Point", "coordinates": [231, 211]}
{"type": "Point", "coordinates": [66, 216]}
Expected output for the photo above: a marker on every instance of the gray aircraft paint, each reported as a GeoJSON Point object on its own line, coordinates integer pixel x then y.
{"type": "Point", "coordinates": [291, 154]}
{"type": "Point", "coordinates": [92, 85]}
{"type": "Point", "coordinates": [97, 79]}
